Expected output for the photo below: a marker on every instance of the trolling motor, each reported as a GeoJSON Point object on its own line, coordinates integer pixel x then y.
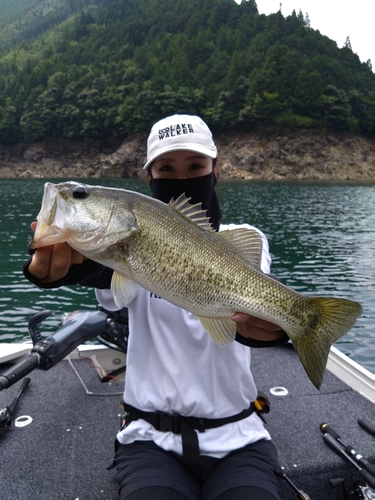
{"type": "Point", "coordinates": [75, 329]}
{"type": "Point", "coordinates": [364, 489]}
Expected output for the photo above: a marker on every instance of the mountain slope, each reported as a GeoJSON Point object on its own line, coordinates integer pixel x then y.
{"type": "Point", "coordinates": [23, 20]}
{"type": "Point", "coordinates": [111, 69]}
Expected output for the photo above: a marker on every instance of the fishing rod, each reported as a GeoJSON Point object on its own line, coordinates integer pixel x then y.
{"type": "Point", "coordinates": [6, 414]}
{"type": "Point", "coordinates": [350, 450]}
{"type": "Point", "coordinates": [367, 425]}
{"type": "Point", "coordinates": [348, 453]}
{"type": "Point", "coordinates": [301, 494]}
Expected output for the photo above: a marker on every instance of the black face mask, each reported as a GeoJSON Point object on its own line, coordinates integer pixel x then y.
{"type": "Point", "coordinates": [199, 189]}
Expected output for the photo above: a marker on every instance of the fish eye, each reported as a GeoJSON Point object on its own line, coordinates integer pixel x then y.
{"type": "Point", "coordinates": [80, 192]}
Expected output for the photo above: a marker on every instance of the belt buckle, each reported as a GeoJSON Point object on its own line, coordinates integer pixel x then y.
{"type": "Point", "coordinates": [168, 422]}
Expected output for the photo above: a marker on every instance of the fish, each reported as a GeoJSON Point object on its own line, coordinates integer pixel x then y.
{"type": "Point", "coordinates": [172, 251]}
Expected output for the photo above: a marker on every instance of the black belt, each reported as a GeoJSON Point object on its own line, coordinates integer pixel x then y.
{"type": "Point", "coordinates": [185, 426]}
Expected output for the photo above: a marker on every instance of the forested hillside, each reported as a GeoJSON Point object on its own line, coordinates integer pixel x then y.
{"type": "Point", "coordinates": [98, 68]}
{"type": "Point", "coordinates": [22, 20]}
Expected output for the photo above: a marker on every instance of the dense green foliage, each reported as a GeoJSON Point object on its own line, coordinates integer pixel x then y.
{"type": "Point", "coordinates": [95, 68]}
{"type": "Point", "coordinates": [22, 20]}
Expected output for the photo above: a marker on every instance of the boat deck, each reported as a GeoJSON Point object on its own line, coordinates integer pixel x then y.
{"type": "Point", "coordinates": [63, 453]}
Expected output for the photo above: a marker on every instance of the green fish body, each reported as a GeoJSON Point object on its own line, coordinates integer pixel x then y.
{"type": "Point", "coordinates": [172, 251]}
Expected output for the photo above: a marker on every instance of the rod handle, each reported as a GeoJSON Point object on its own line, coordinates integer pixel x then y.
{"type": "Point", "coordinates": [12, 407]}
{"type": "Point", "coordinates": [367, 425]}
{"type": "Point", "coordinates": [327, 428]}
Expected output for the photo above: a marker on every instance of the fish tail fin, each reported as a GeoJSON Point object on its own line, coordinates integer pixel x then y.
{"type": "Point", "coordinates": [335, 317]}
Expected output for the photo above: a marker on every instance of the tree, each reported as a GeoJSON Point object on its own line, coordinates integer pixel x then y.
{"type": "Point", "coordinates": [366, 120]}
{"type": "Point", "coordinates": [9, 130]}
{"type": "Point", "coordinates": [335, 109]}
{"type": "Point", "coordinates": [306, 21]}
{"type": "Point", "coordinates": [31, 126]}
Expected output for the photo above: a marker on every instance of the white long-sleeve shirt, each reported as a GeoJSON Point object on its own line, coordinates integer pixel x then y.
{"type": "Point", "coordinates": [174, 366]}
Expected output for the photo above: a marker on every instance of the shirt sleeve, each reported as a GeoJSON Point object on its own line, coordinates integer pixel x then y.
{"type": "Point", "coordinates": [261, 343]}
{"type": "Point", "coordinates": [265, 264]}
{"type": "Point", "coordinates": [89, 273]}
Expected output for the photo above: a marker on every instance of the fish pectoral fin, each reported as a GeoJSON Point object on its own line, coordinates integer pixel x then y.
{"type": "Point", "coordinates": [123, 289]}
{"type": "Point", "coordinates": [248, 242]}
{"type": "Point", "coordinates": [222, 330]}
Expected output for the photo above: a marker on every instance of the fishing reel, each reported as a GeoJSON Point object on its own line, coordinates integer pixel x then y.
{"type": "Point", "coordinates": [358, 491]}
{"type": "Point", "coordinates": [363, 489]}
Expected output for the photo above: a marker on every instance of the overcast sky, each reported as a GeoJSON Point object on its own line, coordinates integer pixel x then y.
{"type": "Point", "coordinates": [337, 20]}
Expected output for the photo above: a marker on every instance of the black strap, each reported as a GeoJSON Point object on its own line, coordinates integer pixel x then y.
{"type": "Point", "coordinates": [186, 427]}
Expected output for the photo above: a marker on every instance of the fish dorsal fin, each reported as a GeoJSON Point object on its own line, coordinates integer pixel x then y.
{"type": "Point", "coordinates": [123, 289]}
{"type": "Point", "coordinates": [194, 213]}
{"type": "Point", "coordinates": [248, 242]}
{"type": "Point", "coordinates": [221, 330]}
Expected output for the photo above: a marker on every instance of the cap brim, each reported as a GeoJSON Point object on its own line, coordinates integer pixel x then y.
{"type": "Point", "coordinates": [186, 147]}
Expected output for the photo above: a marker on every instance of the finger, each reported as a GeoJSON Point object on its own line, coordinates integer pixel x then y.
{"type": "Point", "coordinates": [61, 260]}
{"type": "Point", "coordinates": [51, 263]}
{"type": "Point", "coordinates": [257, 333]}
{"type": "Point", "coordinates": [265, 325]}
{"type": "Point", "coordinates": [241, 317]}
{"type": "Point", "coordinates": [77, 257]}
{"type": "Point", "coordinates": [41, 262]}
{"type": "Point", "coordinates": [253, 321]}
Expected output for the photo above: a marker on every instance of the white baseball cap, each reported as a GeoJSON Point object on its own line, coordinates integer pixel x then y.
{"type": "Point", "coordinates": [178, 132]}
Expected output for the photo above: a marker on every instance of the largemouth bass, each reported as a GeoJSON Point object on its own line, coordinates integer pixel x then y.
{"type": "Point", "coordinates": [172, 251]}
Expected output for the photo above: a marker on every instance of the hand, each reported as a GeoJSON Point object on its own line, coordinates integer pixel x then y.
{"type": "Point", "coordinates": [256, 328]}
{"type": "Point", "coordinates": [53, 262]}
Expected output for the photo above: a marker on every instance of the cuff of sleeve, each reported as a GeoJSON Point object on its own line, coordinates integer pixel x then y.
{"type": "Point", "coordinates": [261, 343]}
{"type": "Point", "coordinates": [89, 273]}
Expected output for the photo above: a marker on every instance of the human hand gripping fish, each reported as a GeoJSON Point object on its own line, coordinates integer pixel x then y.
{"type": "Point", "coordinates": [52, 262]}
{"type": "Point", "coordinates": [172, 251]}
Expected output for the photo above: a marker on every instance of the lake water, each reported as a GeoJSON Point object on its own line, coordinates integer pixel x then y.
{"type": "Point", "coordinates": [322, 240]}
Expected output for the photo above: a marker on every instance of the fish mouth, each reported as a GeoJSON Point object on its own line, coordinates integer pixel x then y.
{"type": "Point", "coordinates": [47, 235]}
{"type": "Point", "coordinates": [48, 230]}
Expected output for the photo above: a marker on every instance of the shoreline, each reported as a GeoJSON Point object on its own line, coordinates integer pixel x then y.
{"type": "Point", "coordinates": [268, 155]}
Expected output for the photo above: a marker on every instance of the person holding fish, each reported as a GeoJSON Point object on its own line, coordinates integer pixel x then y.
{"type": "Point", "coordinates": [192, 430]}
